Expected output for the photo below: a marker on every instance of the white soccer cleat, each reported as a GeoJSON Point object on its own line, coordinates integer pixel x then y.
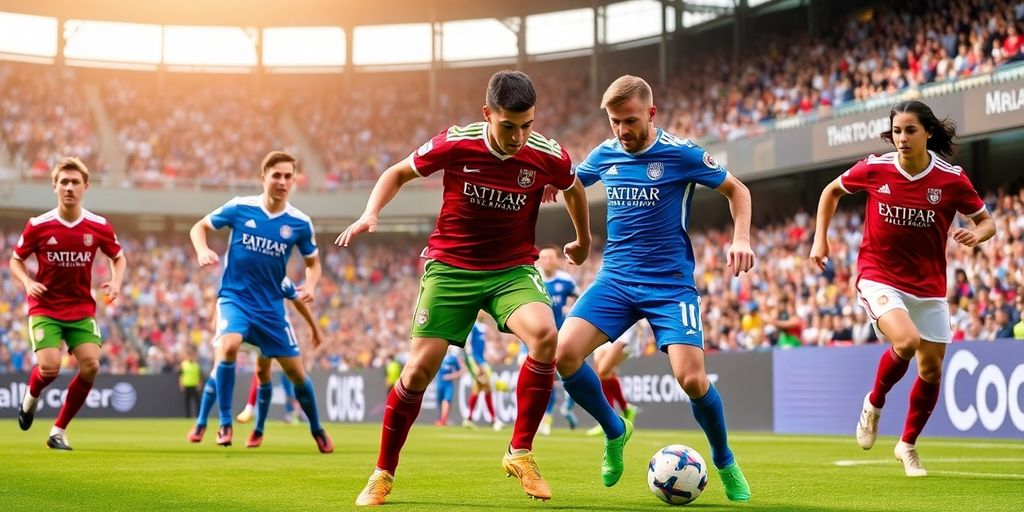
{"type": "Point", "coordinates": [907, 454]}
{"type": "Point", "coordinates": [498, 425]}
{"type": "Point", "coordinates": [867, 426]}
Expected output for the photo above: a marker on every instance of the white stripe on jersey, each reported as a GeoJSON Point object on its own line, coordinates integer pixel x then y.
{"type": "Point", "coordinates": [686, 198]}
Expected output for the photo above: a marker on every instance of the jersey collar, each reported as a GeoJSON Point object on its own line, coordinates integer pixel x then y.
{"type": "Point", "coordinates": [922, 174]}
{"type": "Point", "coordinates": [657, 136]}
{"type": "Point", "coordinates": [56, 213]}
{"type": "Point", "coordinates": [269, 215]}
{"type": "Point", "coordinates": [487, 142]}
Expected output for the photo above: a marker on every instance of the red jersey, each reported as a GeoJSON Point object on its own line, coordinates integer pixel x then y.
{"type": "Point", "coordinates": [489, 210]}
{"type": "Point", "coordinates": [65, 252]}
{"type": "Point", "coordinates": [908, 219]}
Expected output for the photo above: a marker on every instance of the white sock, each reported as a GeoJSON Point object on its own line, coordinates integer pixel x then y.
{"type": "Point", "coordinates": [29, 403]}
{"type": "Point", "coordinates": [57, 430]}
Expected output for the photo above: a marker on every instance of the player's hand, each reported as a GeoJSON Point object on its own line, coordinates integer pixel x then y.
{"type": "Point", "coordinates": [366, 223]}
{"type": "Point", "coordinates": [111, 291]}
{"type": "Point", "coordinates": [35, 289]}
{"type": "Point", "coordinates": [317, 338]}
{"type": "Point", "coordinates": [207, 257]}
{"type": "Point", "coordinates": [550, 195]}
{"type": "Point", "coordinates": [303, 295]}
{"type": "Point", "coordinates": [819, 253]}
{"type": "Point", "coordinates": [741, 257]}
{"type": "Point", "coordinates": [966, 237]}
{"type": "Point", "coordinates": [576, 251]}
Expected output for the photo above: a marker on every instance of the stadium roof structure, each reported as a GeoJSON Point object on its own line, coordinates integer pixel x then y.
{"type": "Point", "coordinates": [265, 13]}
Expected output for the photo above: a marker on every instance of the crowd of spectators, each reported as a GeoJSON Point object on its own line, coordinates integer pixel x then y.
{"type": "Point", "coordinates": [210, 131]}
{"type": "Point", "coordinates": [365, 299]}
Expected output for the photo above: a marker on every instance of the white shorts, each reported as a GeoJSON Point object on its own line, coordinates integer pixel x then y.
{"type": "Point", "coordinates": [930, 314]}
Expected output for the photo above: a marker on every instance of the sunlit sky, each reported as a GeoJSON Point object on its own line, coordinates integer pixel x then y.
{"type": "Point", "coordinates": [325, 46]}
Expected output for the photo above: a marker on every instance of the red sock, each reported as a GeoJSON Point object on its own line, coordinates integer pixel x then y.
{"type": "Point", "coordinates": [252, 390]}
{"type": "Point", "coordinates": [36, 382]}
{"type": "Point", "coordinates": [532, 393]}
{"type": "Point", "coordinates": [923, 397]}
{"type": "Point", "coordinates": [891, 368]}
{"type": "Point", "coordinates": [613, 392]}
{"type": "Point", "coordinates": [78, 390]}
{"type": "Point", "coordinates": [402, 408]}
{"type": "Point", "coordinates": [489, 401]}
{"type": "Point", "coordinates": [472, 404]}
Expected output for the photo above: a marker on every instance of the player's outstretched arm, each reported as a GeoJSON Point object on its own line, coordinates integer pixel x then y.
{"type": "Point", "coordinates": [313, 272]}
{"type": "Point", "coordinates": [984, 228]}
{"type": "Point", "coordinates": [197, 234]}
{"type": "Point", "coordinates": [576, 203]}
{"type": "Point", "coordinates": [307, 315]}
{"type": "Point", "coordinates": [112, 289]}
{"type": "Point", "coordinates": [826, 210]}
{"type": "Point", "coordinates": [33, 288]}
{"type": "Point", "coordinates": [741, 256]}
{"type": "Point", "coordinates": [388, 185]}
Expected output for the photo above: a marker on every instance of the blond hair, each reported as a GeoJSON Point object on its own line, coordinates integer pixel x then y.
{"type": "Point", "coordinates": [625, 88]}
{"type": "Point", "coordinates": [70, 163]}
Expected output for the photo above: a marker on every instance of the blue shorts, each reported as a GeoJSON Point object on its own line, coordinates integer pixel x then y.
{"type": "Point", "coordinates": [673, 310]}
{"type": "Point", "coordinates": [273, 336]}
{"type": "Point", "coordinates": [445, 390]}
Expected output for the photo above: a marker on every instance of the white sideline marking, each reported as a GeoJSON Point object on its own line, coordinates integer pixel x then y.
{"type": "Point", "coordinates": [846, 463]}
{"type": "Point", "coordinates": [979, 475]}
{"type": "Point", "coordinates": [844, 440]}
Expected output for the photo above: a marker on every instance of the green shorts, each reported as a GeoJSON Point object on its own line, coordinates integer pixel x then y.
{"type": "Point", "coordinates": [451, 297]}
{"type": "Point", "coordinates": [45, 332]}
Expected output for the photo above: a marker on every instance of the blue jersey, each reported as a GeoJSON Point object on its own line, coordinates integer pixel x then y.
{"type": "Point", "coordinates": [560, 287]}
{"type": "Point", "coordinates": [649, 196]}
{"type": "Point", "coordinates": [258, 250]}
{"type": "Point", "coordinates": [478, 342]}
{"type": "Point", "coordinates": [449, 365]}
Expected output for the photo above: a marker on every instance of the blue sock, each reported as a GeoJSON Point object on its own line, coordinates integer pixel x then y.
{"type": "Point", "coordinates": [225, 387]}
{"type": "Point", "coordinates": [710, 414]}
{"type": "Point", "coordinates": [307, 400]}
{"type": "Point", "coordinates": [585, 388]}
{"type": "Point", "coordinates": [551, 402]}
{"type": "Point", "coordinates": [206, 402]}
{"type": "Point", "coordinates": [263, 396]}
{"type": "Point", "coordinates": [289, 394]}
{"type": "Point", "coordinates": [569, 402]}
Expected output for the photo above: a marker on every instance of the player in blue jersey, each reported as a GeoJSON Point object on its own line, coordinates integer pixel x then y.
{"type": "Point", "coordinates": [264, 230]}
{"type": "Point", "coordinates": [561, 287]}
{"type": "Point", "coordinates": [480, 370]}
{"type": "Point", "coordinates": [447, 376]}
{"type": "Point", "coordinates": [648, 270]}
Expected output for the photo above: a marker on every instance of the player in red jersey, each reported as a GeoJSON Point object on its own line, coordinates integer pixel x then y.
{"type": "Point", "coordinates": [913, 197]}
{"type": "Point", "coordinates": [481, 256]}
{"type": "Point", "coordinates": [60, 303]}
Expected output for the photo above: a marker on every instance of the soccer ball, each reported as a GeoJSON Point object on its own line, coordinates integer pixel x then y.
{"type": "Point", "coordinates": [677, 474]}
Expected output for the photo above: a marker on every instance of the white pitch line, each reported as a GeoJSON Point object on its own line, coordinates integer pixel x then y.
{"type": "Point", "coordinates": [979, 475]}
{"type": "Point", "coordinates": [843, 440]}
{"type": "Point", "coordinates": [871, 462]}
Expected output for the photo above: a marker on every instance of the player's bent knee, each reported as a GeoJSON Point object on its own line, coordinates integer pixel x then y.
{"type": "Point", "coordinates": [88, 367]}
{"type": "Point", "coordinates": [416, 377]}
{"type": "Point", "coordinates": [695, 386]}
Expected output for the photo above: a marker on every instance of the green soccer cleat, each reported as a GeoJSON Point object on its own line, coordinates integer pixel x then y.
{"type": "Point", "coordinates": [630, 413]}
{"type": "Point", "coordinates": [612, 464]}
{"type": "Point", "coordinates": [736, 486]}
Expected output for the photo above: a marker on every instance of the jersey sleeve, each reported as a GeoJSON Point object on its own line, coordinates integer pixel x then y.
{"type": "Point", "coordinates": [702, 167]}
{"type": "Point", "coordinates": [434, 155]}
{"type": "Point", "coordinates": [307, 242]}
{"type": "Point", "coordinates": [969, 202]}
{"type": "Point", "coordinates": [225, 215]}
{"type": "Point", "coordinates": [856, 178]}
{"type": "Point", "coordinates": [563, 173]}
{"type": "Point", "coordinates": [288, 289]}
{"type": "Point", "coordinates": [27, 242]}
{"type": "Point", "coordinates": [587, 170]}
{"type": "Point", "coordinates": [109, 243]}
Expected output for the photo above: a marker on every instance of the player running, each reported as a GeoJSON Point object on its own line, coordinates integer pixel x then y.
{"type": "Point", "coordinates": [482, 373]}
{"type": "Point", "coordinates": [913, 197]}
{"type": "Point", "coordinates": [250, 307]}
{"type": "Point", "coordinates": [60, 304]}
{"type": "Point", "coordinates": [648, 270]}
{"type": "Point", "coordinates": [560, 287]}
{"type": "Point", "coordinates": [481, 257]}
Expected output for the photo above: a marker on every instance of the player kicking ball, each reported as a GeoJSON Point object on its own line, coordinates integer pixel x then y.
{"type": "Point", "coordinates": [913, 197]}
{"type": "Point", "coordinates": [250, 307]}
{"type": "Point", "coordinates": [60, 304]}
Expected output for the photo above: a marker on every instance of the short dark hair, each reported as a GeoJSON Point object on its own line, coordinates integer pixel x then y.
{"type": "Point", "coordinates": [943, 132]}
{"type": "Point", "coordinates": [275, 157]}
{"type": "Point", "coordinates": [511, 91]}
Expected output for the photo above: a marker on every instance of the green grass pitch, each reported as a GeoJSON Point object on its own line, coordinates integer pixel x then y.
{"type": "Point", "coordinates": [136, 465]}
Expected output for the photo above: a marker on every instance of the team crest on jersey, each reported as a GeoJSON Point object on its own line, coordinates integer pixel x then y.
{"type": "Point", "coordinates": [710, 161]}
{"type": "Point", "coordinates": [422, 317]}
{"type": "Point", "coordinates": [39, 333]}
{"type": "Point", "coordinates": [655, 170]}
{"type": "Point", "coordinates": [526, 177]}
{"type": "Point", "coordinates": [87, 239]}
{"type": "Point", "coordinates": [883, 300]}
{"type": "Point", "coordinates": [425, 148]}
{"type": "Point", "coordinates": [286, 231]}
{"type": "Point", "coordinates": [934, 195]}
